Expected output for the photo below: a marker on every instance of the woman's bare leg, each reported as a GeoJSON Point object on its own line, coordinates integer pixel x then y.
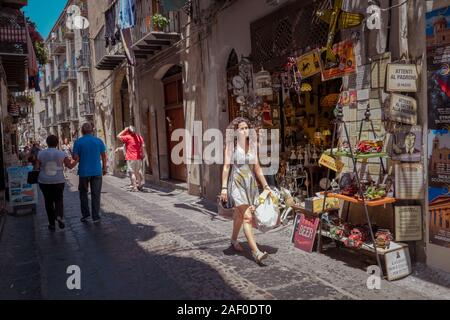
{"type": "Point", "coordinates": [248, 230]}
{"type": "Point", "coordinates": [238, 219]}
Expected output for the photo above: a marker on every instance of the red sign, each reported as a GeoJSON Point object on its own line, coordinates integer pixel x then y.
{"type": "Point", "coordinates": [305, 232]}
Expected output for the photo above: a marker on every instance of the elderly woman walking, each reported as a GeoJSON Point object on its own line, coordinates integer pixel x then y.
{"type": "Point", "coordinates": [51, 180]}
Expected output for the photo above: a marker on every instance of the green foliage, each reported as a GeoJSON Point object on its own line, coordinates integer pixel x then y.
{"type": "Point", "coordinates": [41, 53]}
{"type": "Point", "coordinates": [160, 21]}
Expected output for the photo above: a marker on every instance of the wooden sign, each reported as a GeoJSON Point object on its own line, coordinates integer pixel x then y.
{"type": "Point", "coordinates": [403, 109]}
{"type": "Point", "coordinates": [331, 163]}
{"type": "Point", "coordinates": [408, 223]}
{"type": "Point", "coordinates": [409, 181]}
{"type": "Point", "coordinates": [309, 64]}
{"type": "Point", "coordinates": [402, 77]}
{"type": "Point", "coordinates": [398, 264]}
{"type": "Point", "coordinates": [305, 232]}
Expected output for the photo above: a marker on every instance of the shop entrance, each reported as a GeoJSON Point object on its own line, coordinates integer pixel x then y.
{"type": "Point", "coordinates": [173, 102]}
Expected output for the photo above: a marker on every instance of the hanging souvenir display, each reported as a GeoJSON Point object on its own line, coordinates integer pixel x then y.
{"type": "Point", "coordinates": [345, 64]}
{"type": "Point", "coordinates": [337, 20]}
{"type": "Point", "coordinates": [293, 75]}
{"type": "Point", "coordinates": [263, 83]}
{"type": "Point", "coordinates": [309, 64]}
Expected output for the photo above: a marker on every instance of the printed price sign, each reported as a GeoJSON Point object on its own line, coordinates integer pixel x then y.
{"type": "Point", "coordinates": [305, 232]}
{"type": "Point", "coordinates": [398, 264]}
{"type": "Point", "coordinates": [331, 163]}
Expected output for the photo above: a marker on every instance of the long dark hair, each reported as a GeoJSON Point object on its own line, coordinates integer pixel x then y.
{"type": "Point", "coordinates": [234, 125]}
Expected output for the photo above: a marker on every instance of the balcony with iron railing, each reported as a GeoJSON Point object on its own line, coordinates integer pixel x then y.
{"type": "Point", "coordinates": [83, 59]}
{"type": "Point", "coordinates": [71, 74]}
{"type": "Point", "coordinates": [86, 109]}
{"type": "Point", "coordinates": [149, 37]}
{"type": "Point", "coordinates": [73, 114]}
{"type": "Point", "coordinates": [62, 117]}
{"type": "Point", "coordinates": [108, 54]}
{"type": "Point", "coordinates": [13, 47]}
{"type": "Point", "coordinates": [108, 49]}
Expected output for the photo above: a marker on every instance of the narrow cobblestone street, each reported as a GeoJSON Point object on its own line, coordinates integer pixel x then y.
{"type": "Point", "coordinates": [165, 244]}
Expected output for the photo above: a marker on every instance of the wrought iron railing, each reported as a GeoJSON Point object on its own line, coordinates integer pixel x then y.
{"type": "Point", "coordinates": [73, 113]}
{"type": "Point", "coordinates": [13, 35]}
{"type": "Point", "coordinates": [146, 25]}
{"type": "Point", "coordinates": [87, 109]}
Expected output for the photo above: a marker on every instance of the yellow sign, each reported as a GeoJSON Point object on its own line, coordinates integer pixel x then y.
{"type": "Point", "coordinates": [330, 162]}
{"type": "Point", "coordinates": [309, 64]}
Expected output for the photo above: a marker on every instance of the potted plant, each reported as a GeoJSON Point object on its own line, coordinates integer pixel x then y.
{"type": "Point", "coordinates": [159, 21]}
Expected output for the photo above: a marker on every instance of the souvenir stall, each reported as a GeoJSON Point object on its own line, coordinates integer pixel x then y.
{"type": "Point", "coordinates": [350, 143]}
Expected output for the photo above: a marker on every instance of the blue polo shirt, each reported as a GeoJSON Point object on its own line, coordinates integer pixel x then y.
{"type": "Point", "coordinates": [89, 150]}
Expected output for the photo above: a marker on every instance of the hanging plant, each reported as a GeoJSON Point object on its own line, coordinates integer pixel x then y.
{"type": "Point", "coordinates": [159, 21]}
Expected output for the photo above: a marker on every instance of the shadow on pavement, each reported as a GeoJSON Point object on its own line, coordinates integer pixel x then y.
{"type": "Point", "coordinates": [119, 259]}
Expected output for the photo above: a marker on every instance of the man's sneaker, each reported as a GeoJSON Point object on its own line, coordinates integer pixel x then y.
{"type": "Point", "coordinates": [84, 219]}
{"type": "Point", "coordinates": [96, 220]}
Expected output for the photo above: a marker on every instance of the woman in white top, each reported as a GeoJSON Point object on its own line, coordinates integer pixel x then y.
{"type": "Point", "coordinates": [51, 180]}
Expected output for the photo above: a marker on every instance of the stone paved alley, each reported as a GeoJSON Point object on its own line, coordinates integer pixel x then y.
{"type": "Point", "coordinates": [165, 244]}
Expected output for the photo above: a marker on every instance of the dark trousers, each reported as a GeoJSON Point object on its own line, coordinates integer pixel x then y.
{"type": "Point", "coordinates": [96, 190]}
{"type": "Point", "coordinates": [54, 204]}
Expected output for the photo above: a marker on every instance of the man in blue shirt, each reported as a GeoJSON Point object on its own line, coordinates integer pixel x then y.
{"type": "Point", "coordinates": [87, 152]}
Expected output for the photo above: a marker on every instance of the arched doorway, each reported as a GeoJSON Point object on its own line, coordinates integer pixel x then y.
{"type": "Point", "coordinates": [232, 71]}
{"type": "Point", "coordinates": [175, 117]}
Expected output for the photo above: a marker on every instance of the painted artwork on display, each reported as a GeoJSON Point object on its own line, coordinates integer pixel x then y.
{"type": "Point", "coordinates": [438, 61]}
{"type": "Point", "coordinates": [439, 216]}
{"type": "Point", "coordinates": [439, 158]}
{"type": "Point", "coordinates": [346, 61]}
{"type": "Point", "coordinates": [406, 144]}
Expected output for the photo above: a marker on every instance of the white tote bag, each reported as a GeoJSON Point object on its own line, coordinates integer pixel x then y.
{"type": "Point", "coordinates": [267, 213]}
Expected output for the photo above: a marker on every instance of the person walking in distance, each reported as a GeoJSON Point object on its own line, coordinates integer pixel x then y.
{"type": "Point", "coordinates": [135, 154]}
{"type": "Point", "coordinates": [51, 180]}
{"type": "Point", "coordinates": [90, 154]}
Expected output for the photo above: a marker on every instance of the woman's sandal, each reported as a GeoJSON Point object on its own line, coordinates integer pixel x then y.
{"type": "Point", "coordinates": [236, 246]}
{"type": "Point", "coordinates": [259, 256]}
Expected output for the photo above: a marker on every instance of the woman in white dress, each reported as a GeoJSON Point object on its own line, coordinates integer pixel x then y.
{"type": "Point", "coordinates": [239, 184]}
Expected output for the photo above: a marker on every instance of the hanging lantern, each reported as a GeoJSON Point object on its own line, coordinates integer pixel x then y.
{"type": "Point", "coordinates": [306, 87]}
{"type": "Point", "coordinates": [263, 81]}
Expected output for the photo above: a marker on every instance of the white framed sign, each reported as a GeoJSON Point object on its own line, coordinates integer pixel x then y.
{"type": "Point", "coordinates": [402, 77]}
{"type": "Point", "coordinates": [398, 264]}
{"type": "Point", "coordinates": [403, 109]}
{"type": "Point", "coordinates": [408, 223]}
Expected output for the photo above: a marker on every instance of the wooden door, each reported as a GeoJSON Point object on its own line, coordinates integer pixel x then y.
{"type": "Point", "coordinates": [148, 144]}
{"type": "Point", "coordinates": [173, 94]}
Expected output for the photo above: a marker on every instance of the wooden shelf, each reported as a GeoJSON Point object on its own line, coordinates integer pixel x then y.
{"type": "Point", "coordinates": [373, 203]}
{"type": "Point", "coordinates": [394, 246]}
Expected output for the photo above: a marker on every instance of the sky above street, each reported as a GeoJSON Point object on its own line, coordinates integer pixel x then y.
{"type": "Point", "coordinates": [44, 13]}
